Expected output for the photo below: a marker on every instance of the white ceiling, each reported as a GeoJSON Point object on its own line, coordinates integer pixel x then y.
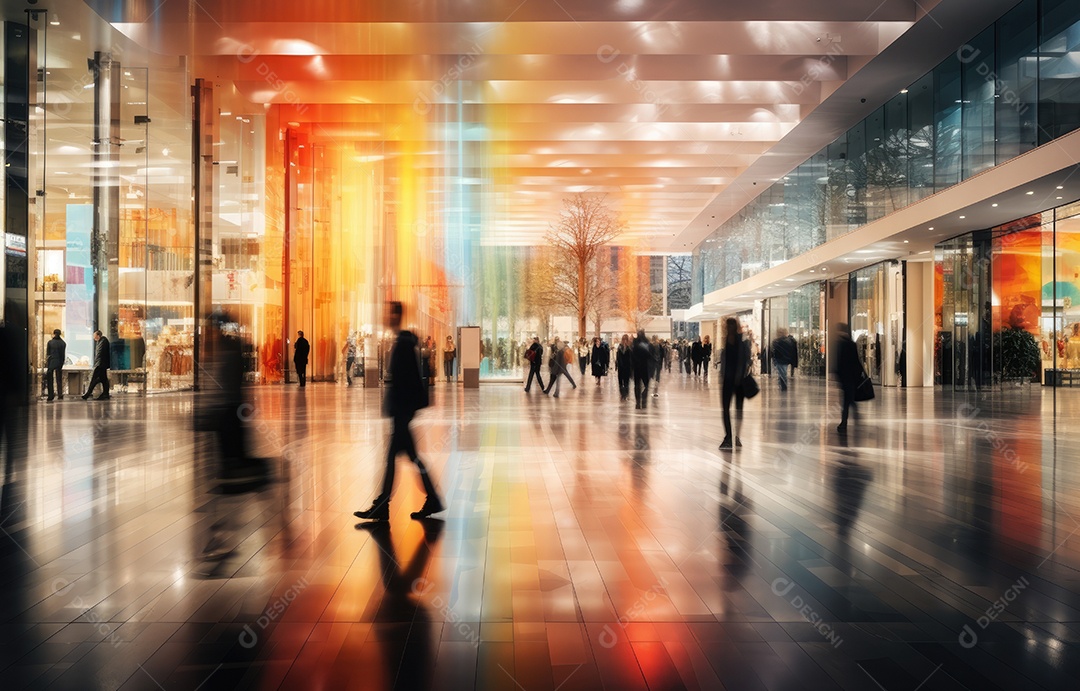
{"type": "Point", "coordinates": [661, 106]}
{"type": "Point", "coordinates": [680, 111]}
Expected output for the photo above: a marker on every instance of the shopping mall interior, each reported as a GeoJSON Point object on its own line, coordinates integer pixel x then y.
{"type": "Point", "coordinates": [183, 174]}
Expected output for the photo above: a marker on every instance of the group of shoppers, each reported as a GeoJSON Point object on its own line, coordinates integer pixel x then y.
{"type": "Point", "coordinates": [642, 360]}
{"type": "Point", "coordinates": [56, 358]}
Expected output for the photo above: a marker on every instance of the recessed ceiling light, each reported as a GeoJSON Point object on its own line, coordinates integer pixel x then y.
{"type": "Point", "coordinates": [1030, 192]}
{"type": "Point", "coordinates": [903, 91]}
{"type": "Point", "coordinates": [994, 205]}
{"type": "Point", "coordinates": [963, 217]}
{"type": "Point", "coordinates": [1059, 197]}
{"type": "Point", "coordinates": [811, 271]}
{"type": "Point", "coordinates": [1060, 187]}
{"type": "Point", "coordinates": [906, 241]}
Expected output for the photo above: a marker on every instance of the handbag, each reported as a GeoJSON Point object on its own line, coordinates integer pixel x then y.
{"type": "Point", "coordinates": [750, 386]}
{"type": "Point", "coordinates": [864, 390]}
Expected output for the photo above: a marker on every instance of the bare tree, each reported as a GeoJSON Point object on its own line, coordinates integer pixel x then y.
{"type": "Point", "coordinates": [584, 227]}
{"type": "Point", "coordinates": [603, 290]}
{"type": "Point", "coordinates": [679, 282]}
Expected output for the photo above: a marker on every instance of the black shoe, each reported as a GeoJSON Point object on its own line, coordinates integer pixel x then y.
{"type": "Point", "coordinates": [738, 443]}
{"type": "Point", "coordinates": [842, 428]}
{"type": "Point", "coordinates": [50, 399]}
{"type": "Point", "coordinates": [431, 505]}
{"type": "Point", "coordinates": [726, 444]}
{"type": "Point", "coordinates": [379, 511]}
{"type": "Point", "coordinates": [86, 396]}
{"type": "Point", "coordinates": [103, 397]}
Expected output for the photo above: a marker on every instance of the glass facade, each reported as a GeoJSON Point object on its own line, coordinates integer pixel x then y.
{"type": "Point", "coordinates": [111, 232]}
{"type": "Point", "coordinates": [1011, 88]}
{"type": "Point", "coordinates": [1007, 304]}
{"type": "Point", "coordinates": [801, 312]}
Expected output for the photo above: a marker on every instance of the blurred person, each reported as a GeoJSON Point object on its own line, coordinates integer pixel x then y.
{"type": "Point", "coordinates": [14, 399]}
{"type": "Point", "coordinates": [706, 356]}
{"type": "Point", "coordinates": [583, 353]}
{"type": "Point", "coordinates": [102, 360]}
{"type": "Point", "coordinates": [657, 363]}
{"type": "Point", "coordinates": [406, 393]}
{"type": "Point", "coordinates": [349, 351]}
{"type": "Point", "coordinates": [221, 408]}
{"type": "Point", "coordinates": [849, 372]}
{"type": "Point", "coordinates": [562, 357]}
{"type": "Point", "coordinates": [696, 355]}
{"type": "Point", "coordinates": [785, 353]}
{"type": "Point", "coordinates": [667, 355]}
{"type": "Point", "coordinates": [534, 354]}
{"type": "Point", "coordinates": [300, 357]}
{"type": "Point", "coordinates": [55, 354]}
{"type": "Point", "coordinates": [449, 355]}
{"type": "Point", "coordinates": [642, 358]}
{"type": "Point", "coordinates": [598, 356]}
{"type": "Point", "coordinates": [624, 366]}
{"type": "Point", "coordinates": [734, 366]}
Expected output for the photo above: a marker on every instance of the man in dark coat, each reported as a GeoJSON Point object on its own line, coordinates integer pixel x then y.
{"type": "Point", "coordinates": [102, 362]}
{"type": "Point", "coordinates": [642, 357]}
{"type": "Point", "coordinates": [785, 353]}
{"type": "Point", "coordinates": [300, 355]}
{"type": "Point", "coordinates": [55, 354]}
{"type": "Point", "coordinates": [535, 361]}
{"type": "Point", "coordinates": [406, 393]}
{"type": "Point", "coordinates": [696, 354]}
{"type": "Point", "coordinates": [848, 370]}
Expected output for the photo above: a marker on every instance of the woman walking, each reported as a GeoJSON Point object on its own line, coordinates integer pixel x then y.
{"type": "Point", "coordinates": [599, 360]}
{"type": "Point", "coordinates": [624, 367]}
{"type": "Point", "coordinates": [734, 366]}
{"type": "Point", "coordinates": [582, 356]}
{"type": "Point", "coordinates": [449, 355]}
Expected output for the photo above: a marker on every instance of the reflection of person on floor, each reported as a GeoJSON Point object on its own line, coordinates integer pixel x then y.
{"type": "Point", "coordinates": [405, 586]}
{"type": "Point", "coordinates": [406, 393]}
{"type": "Point", "coordinates": [849, 482]}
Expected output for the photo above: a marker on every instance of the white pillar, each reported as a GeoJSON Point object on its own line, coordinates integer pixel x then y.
{"type": "Point", "coordinates": [920, 324]}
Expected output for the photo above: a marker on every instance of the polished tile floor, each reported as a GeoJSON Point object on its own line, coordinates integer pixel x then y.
{"type": "Point", "coordinates": [586, 545]}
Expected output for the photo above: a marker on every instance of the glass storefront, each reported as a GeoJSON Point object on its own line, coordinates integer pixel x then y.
{"type": "Point", "coordinates": [1006, 303]}
{"type": "Point", "coordinates": [801, 313]}
{"type": "Point", "coordinates": [112, 247]}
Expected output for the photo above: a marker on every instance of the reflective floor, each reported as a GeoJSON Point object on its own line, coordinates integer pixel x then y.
{"type": "Point", "coordinates": [586, 545]}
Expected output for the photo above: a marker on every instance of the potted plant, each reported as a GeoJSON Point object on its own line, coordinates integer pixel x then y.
{"type": "Point", "coordinates": [1019, 354]}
